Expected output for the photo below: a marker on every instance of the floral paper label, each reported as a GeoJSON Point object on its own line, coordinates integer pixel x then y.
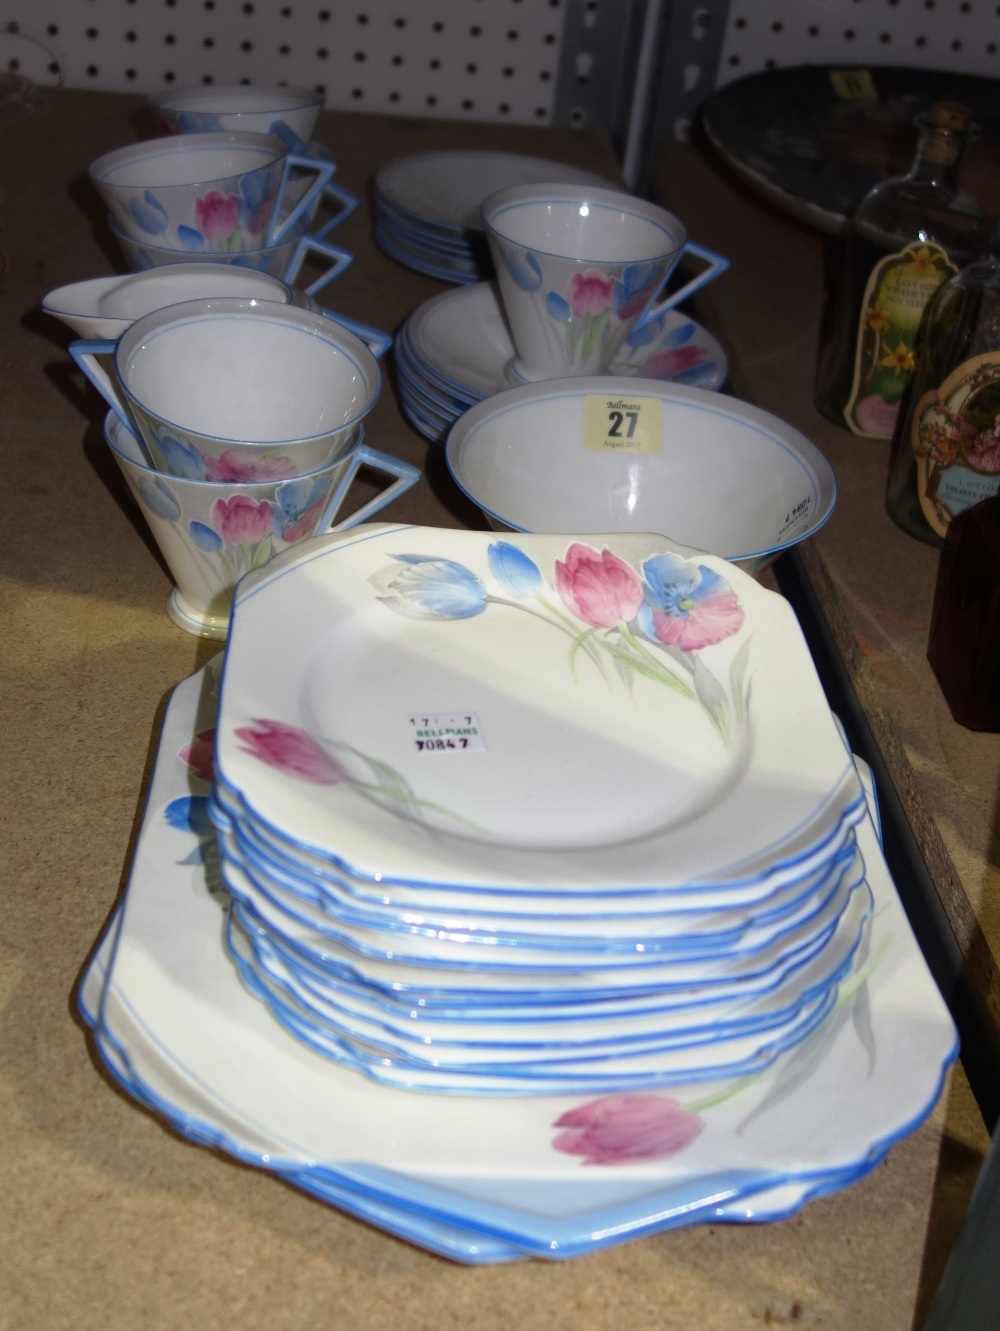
{"type": "Point", "coordinates": [955, 437]}
{"type": "Point", "coordinates": [897, 292]}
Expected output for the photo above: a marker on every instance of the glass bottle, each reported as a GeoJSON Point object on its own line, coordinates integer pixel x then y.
{"type": "Point", "coordinates": [946, 455]}
{"type": "Point", "coordinates": [907, 236]}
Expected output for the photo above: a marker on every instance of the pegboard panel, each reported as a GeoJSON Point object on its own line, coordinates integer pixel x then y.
{"type": "Point", "coordinates": [493, 60]}
{"type": "Point", "coordinates": [962, 36]}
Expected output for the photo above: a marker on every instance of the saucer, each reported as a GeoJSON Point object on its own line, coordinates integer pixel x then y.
{"type": "Point", "coordinates": [444, 190]}
{"type": "Point", "coordinates": [459, 341]}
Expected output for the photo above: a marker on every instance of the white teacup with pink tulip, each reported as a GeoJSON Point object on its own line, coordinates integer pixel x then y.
{"type": "Point", "coordinates": [226, 387]}
{"type": "Point", "coordinates": [211, 533]}
{"type": "Point", "coordinates": [579, 268]}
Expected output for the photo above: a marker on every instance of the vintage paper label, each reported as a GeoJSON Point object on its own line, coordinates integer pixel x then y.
{"type": "Point", "coordinates": [853, 84]}
{"type": "Point", "coordinates": [896, 295]}
{"type": "Point", "coordinates": [617, 424]}
{"type": "Point", "coordinates": [955, 437]}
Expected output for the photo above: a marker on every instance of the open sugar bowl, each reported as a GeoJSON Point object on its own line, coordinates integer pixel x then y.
{"type": "Point", "coordinates": [614, 454]}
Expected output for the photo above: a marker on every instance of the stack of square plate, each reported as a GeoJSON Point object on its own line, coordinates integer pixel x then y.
{"type": "Point", "coordinates": [561, 826]}
{"type": "Point", "coordinates": [479, 793]}
{"type": "Point", "coordinates": [453, 349]}
{"type": "Point", "coordinates": [427, 206]}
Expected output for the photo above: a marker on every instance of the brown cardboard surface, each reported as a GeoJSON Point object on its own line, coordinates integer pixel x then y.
{"type": "Point", "coordinates": [109, 1220]}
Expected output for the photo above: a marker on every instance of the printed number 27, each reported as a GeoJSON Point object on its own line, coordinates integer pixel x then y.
{"type": "Point", "coordinates": [616, 418]}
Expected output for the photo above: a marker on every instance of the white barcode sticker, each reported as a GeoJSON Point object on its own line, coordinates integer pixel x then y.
{"type": "Point", "coordinates": [452, 732]}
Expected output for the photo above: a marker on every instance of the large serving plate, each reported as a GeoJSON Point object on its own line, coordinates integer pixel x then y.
{"type": "Point", "coordinates": [488, 1179]}
{"type": "Point", "coordinates": [647, 768]}
{"type": "Point", "coordinates": [196, 1119]}
{"type": "Point", "coordinates": [813, 139]}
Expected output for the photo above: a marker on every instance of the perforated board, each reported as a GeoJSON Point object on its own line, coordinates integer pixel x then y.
{"type": "Point", "coordinates": [712, 42]}
{"type": "Point", "coordinates": [522, 61]}
{"type": "Point", "coordinates": [480, 59]}
{"type": "Point", "coordinates": [958, 35]}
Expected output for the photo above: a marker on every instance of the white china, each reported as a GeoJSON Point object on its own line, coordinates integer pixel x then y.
{"type": "Point", "coordinates": [561, 909]}
{"type": "Point", "coordinates": [490, 1178]}
{"type": "Point", "coordinates": [453, 349]}
{"type": "Point", "coordinates": [648, 1062]}
{"type": "Point", "coordinates": [103, 307]}
{"type": "Point", "coordinates": [210, 192]}
{"type": "Point", "coordinates": [283, 261]}
{"type": "Point", "coordinates": [493, 628]}
{"type": "Point", "coordinates": [446, 189]}
{"type": "Point", "coordinates": [427, 207]}
{"type": "Point", "coordinates": [443, 960]}
{"type": "Point", "coordinates": [743, 1001]}
{"type": "Point", "coordinates": [579, 268]}
{"type": "Point", "coordinates": [290, 113]}
{"type": "Point", "coordinates": [211, 532]}
{"type": "Point", "coordinates": [617, 454]}
{"type": "Point", "coordinates": [713, 954]}
{"type": "Point", "coordinates": [461, 339]}
{"type": "Point", "coordinates": [276, 389]}
{"type": "Point", "coordinates": [461, 269]}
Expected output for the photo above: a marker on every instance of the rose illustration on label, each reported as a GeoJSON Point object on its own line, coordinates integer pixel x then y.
{"type": "Point", "coordinates": [955, 437]}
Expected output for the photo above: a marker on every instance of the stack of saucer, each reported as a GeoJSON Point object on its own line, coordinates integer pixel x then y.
{"type": "Point", "coordinates": [427, 206]}
{"type": "Point", "coordinates": [538, 849]}
{"type": "Point", "coordinates": [453, 350]}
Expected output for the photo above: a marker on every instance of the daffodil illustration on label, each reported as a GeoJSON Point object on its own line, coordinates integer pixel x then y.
{"type": "Point", "coordinates": [898, 290]}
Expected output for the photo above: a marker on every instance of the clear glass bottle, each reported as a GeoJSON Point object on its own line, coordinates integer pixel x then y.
{"type": "Point", "coordinates": [907, 236]}
{"type": "Point", "coordinates": [946, 454]}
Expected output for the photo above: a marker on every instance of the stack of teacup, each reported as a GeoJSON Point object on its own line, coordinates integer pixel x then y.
{"type": "Point", "coordinates": [237, 405]}
{"type": "Point", "coordinates": [233, 181]}
{"type": "Point", "coordinates": [237, 421]}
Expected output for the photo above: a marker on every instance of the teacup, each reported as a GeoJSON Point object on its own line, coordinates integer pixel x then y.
{"type": "Point", "coordinates": [231, 389]}
{"type": "Point", "coordinates": [207, 192]}
{"type": "Point", "coordinates": [579, 268]}
{"type": "Point", "coordinates": [291, 113]}
{"type": "Point", "coordinates": [104, 307]}
{"type": "Point", "coordinates": [210, 534]}
{"type": "Point", "coordinates": [284, 260]}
